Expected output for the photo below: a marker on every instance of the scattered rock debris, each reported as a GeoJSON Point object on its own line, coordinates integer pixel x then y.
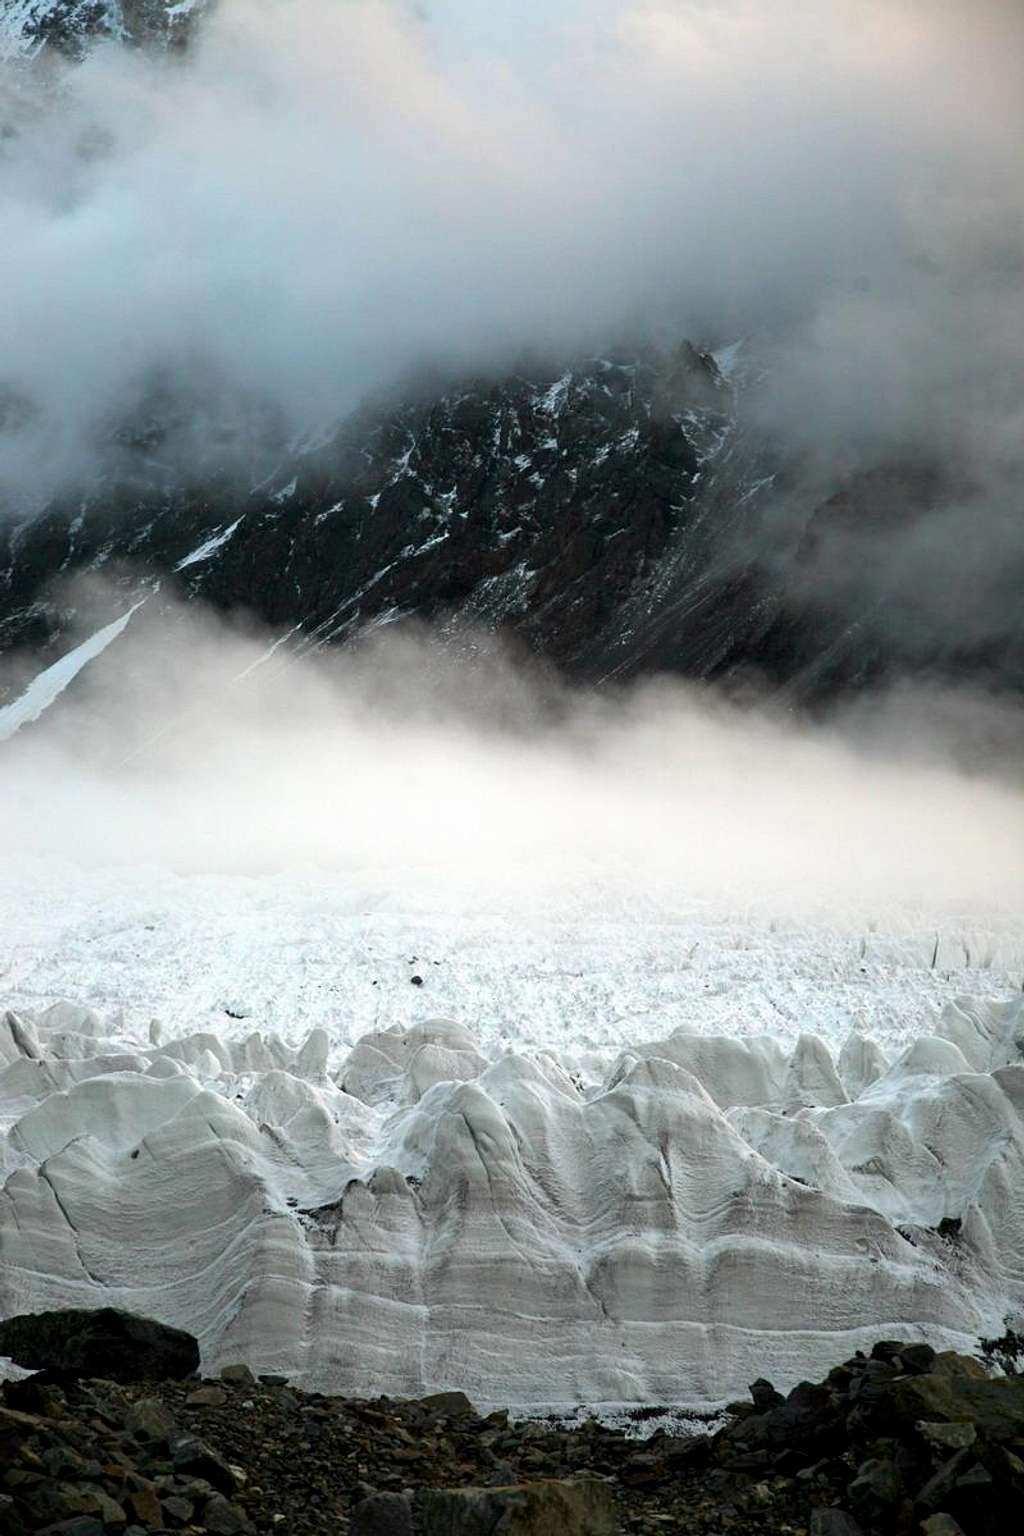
{"type": "Point", "coordinates": [906, 1441]}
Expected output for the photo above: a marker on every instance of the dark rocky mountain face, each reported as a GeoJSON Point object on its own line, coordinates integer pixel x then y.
{"type": "Point", "coordinates": [70, 27]}
{"type": "Point", "coordinates": [619, 517]}
{"type": "Point", "coordinates": [546, 504]}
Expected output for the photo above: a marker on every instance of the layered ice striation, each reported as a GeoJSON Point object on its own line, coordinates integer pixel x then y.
{"type": "Point", "coordinates": [420, 1214]}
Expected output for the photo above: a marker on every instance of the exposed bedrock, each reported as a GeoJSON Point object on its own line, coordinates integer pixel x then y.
{"type": "Point", "coordinates": [415, 1216]}
{"type": "Point", "coordinates": [71, 27]}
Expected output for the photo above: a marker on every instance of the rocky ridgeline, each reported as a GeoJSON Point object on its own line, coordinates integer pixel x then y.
{"type": "Point", "coordinates": [905, 1441]}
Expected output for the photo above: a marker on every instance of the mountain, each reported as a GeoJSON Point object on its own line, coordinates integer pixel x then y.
{"type": "Point", "coordinates": [616, 514]}
{"type": "Point", "coordinates": [564, 507]}
{"type": "Point", "coordinates": [70, 26]}
{"type": "Point", "coordinates": [620, 516]}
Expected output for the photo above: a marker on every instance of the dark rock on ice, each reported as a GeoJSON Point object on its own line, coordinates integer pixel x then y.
{"type": "Point", "coordinates": [917, 1358]}
{"type": "Point", "coordinates": [448, 1405]}
{"type": "Point", "coordinates": [107, 1343]}
{"type": "Point", "coordinates": [764, 1395]}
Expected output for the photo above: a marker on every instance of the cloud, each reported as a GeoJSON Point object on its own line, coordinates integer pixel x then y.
{"type": "Point", "coordinates": [320, 197]}
{"type": "Point", "coordinates": [196, 746]}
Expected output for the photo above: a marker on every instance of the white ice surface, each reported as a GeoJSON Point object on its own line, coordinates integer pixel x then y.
{"type": "Point", "coordinates": [522, 960]}
{"type": "Point", "coordinates": [659, 1147]}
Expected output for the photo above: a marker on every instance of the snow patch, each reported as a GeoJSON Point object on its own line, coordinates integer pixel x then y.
{"type": "Point", "coordinates": [50, 684]}
{"type": "Point", "coordinates": [553, 400]}
{"type": "Point", "coordinates": [210, 546]}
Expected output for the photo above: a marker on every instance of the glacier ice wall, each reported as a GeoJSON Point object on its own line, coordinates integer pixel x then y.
{"type": "Point", "coordinates": [418, 1215]}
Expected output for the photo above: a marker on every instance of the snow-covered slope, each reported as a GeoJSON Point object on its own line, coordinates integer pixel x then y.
{"type": "Point", "coordinates": [648, 1209]}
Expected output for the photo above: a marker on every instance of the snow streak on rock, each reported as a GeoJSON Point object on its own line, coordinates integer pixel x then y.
{"type": "Point", "coordinates": [49, 684]}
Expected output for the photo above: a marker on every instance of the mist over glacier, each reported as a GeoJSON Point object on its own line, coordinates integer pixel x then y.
{"type": "Point", "coordinates": [204, 744]}
{"type": "Point", "coordinates": [340, 986]}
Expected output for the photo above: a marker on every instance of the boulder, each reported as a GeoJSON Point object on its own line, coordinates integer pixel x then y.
{"type": "Point", "coordinates": [916, 1359]}
{"type": "Point", "coordinates": [383, 1514]}
{"type": "Point", "coordinates": [222, 1518]}
{"type": "Point", "coordinates": [238, 1375]}
{"type": "Point", "coordinates": [947, 1437]}
{"type": "Point", "coordinates": [577, 1507]}
{"type": "Point", "coordinates": [149, 1419]}
{"type": "Point", "coordinates": [447, 1405]}
{"type": "Point", "coordinates": [81, 1525]}
{"type": "Point", "coordinates": [107, 1342]}
{"type": "Point", "coordinates": [876, 1488]}
{"type": "Point", "coordinates": [833, 1522]}
{"type": "Point", "coordinates": [764, 1395]}
{"type": "Point", "coordinates": [995, 1407]}
{"type": "Point", "coordinates": [807, 1418]}
{"type": "Point", "coordinates": [194, 1458]}
{"type": "Point", "coordinates": [949, 1363]}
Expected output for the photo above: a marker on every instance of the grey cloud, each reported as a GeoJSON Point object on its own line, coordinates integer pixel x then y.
{"type": "Point", "coordinates": [321, 196]}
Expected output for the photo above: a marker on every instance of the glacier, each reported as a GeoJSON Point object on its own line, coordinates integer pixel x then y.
{"type": "Point", "coordinates": [430, 1208]}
